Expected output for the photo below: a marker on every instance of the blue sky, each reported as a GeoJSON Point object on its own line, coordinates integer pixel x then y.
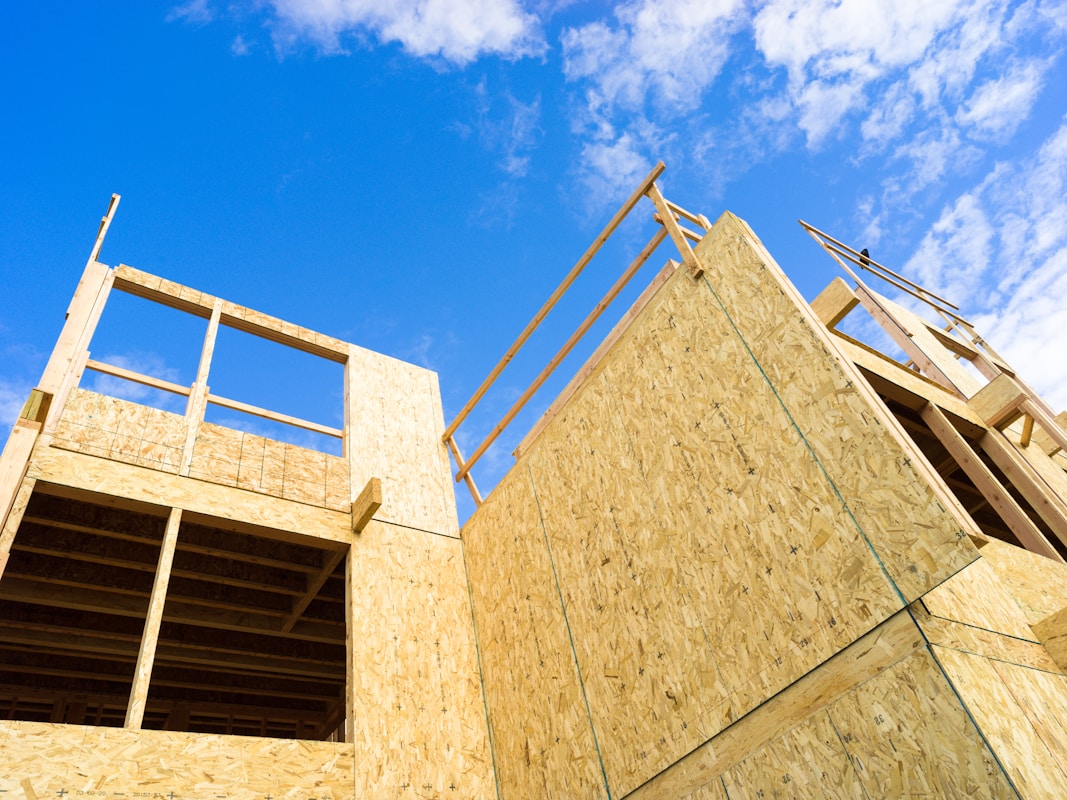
{"type": "Point", "coordinates": [417, 176]}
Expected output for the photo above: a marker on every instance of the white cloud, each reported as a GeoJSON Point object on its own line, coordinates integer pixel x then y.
{"type": "Point", "coordinates": [1001, 249]}
{"type": "Point", "coordinates": [664, 52]}
{"type": "Point", "coordinates": [239, 47]}
{"type": "Point", "coordinates": [508, 126]}
{"type": "Point", "coordinates": [198, 12]}
{"type": "Point", "coordinates": [13, 396]}
{"type": "Point", "coordinates": [458, 31]}
{"type": "Point", "coordinates": [146, 363]}
{"type": "Point", "coordinates": [997, 107]}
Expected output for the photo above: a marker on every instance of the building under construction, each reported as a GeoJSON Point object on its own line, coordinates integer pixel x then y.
{"type": "Point", "coordinates": [742, 555]}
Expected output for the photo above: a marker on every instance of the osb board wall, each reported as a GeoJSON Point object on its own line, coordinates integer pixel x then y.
{"type": "Point", "coordinates": [1037, 584]}
{"type": "Point", "coordinates": [542, 736]}
{"type": "Point", "coordinates": [122, 431]}
{"type": "Point", "coordinates": [234, 458]}
{"type": "Point", "coordinates": [396, 423]}
{"type": "Point", "coordinates": [48, 760]}
{"type": "Point", "coordinates": [722, 513]}
{"type": "Point", "coordinates": [975, 596]}
{"type": "Point", "coordinates": [902, 733]}
{"type": "Point", "coordinates": [420, 727]}
{"type": "Point", "coordinates": [1021, 711]}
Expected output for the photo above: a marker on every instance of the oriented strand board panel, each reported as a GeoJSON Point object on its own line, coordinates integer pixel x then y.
{"type": "Point", "coordinates": [420, 728]}
{"type": "Point", "coordinates": [396, 423]}
{"type": "Point", "coordinates": [908, 736]}
{"type": "Point", "coordinates": [1038, 584]}
{"type": "Point", "coordinates": [976, 597]}
{"type": "Point", "coordinates": [542, 737]}
{"type": "Point", "coordinates": [122, 431]}
{"type": "Point", "coordinates": [808, 762]}
{"type": "Point", "coordinates": [1020, 712]}
{"type": "Point", "coordinates": [96, 475]}
{"type": "Point", "coordinates": [49, 760]}
{"type": "Point", "coordinates": [234, 458]}
{"type": "Point", "coordinates": [893, 503]}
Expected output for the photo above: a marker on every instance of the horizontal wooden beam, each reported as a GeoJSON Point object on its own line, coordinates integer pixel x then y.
{"type": "Point", "coordinates": [274, 416]}
{"type": "Point", "coordinates": [366, 505]}
{"type": "Point", "coordinates": [137, 377]}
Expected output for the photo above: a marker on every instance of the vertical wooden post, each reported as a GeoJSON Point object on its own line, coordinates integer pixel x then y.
{"type": "Point", "coordinates": [10, 526]}
{"type": "Point", "coordinates": [147, 654]}
{"type": "Point", "coordinates": [675, 231]}
{"type": "Point", "coordinates": [196, 407]}
{"type": "Point", "coordinates": [350, 650]}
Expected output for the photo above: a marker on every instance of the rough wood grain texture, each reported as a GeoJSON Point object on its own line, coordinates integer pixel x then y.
{"type": "Point", "coordinates": [234, 458]}
{"type": "Point", "coordinates": [542, 738]}
{"type": "Point", "coordinates": [834, 302]}
{"type": "Point", "coordinates": [971, 639]}
{"type": "Point", "coordinates": [1052, 631]}
{"type": "Point", "coordinates": [122, 431]}
{"type": "Point", "coordinates": [418, 710]}
{"type": "Point", "coordinates": [907, 735]}
{"type": "Point", "coordinates": [14, 461]}
{"type": "Point", "coordinates": [886, 482]}
{"type": "Point", "coordinates": [998, 401]}
{"type": "Point", "coordinates": [975, 596]}
{"type": "Point", "coordinates": [808, 762]}
{"type": "Point", "coordinates": [116, 479]}
{"type": "Point", "coordinates": [112, 763]}
{"type": "Point", "coordinates": [15, 511]}
{"type": "Point", "coordinates": [929, 345]}
{"type": "Point", "coordinates": [1038, 584]}
{"type": "Point", "coordinates": [893, 640]}
{"type": "Point", "coordinates": [395, 426]}
{"type": "Point", "coordinates": [1019, 711]}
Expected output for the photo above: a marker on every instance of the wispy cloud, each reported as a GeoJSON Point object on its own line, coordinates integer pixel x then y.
{"type": "Point", "coordinates": [458, 31]}
{"type": "Point", "coordinates": [197, 12]}
{"type": "Point", "coordinates": [13, 396]}
{"type": "Point", "coordinates": [1002, 248]}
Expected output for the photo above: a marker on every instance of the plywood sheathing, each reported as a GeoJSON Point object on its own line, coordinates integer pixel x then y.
{"type": "Point", "coordinates": [1037, 584]}
{"type": "Point", "coordinates": [246, 461]}
{"type": "Point", "coordinates": [877, 720]}
{"type": "Point", "coordinates": [870, 460]}
{"type": "Point", "coordinates": [420, 727]}
{"type": "Point", "coordinates": [50, 760]}
{"type": "Point", "coordinates": [723, 510]}
{"type": "Point", "coordinates": [975, 596]}
{"type": "Point", "coordinates": [79, 471]}
{"type": "Point", "coordinates": [542, 737]}
{"type": "Point", "coordinates": [1020, 711]}
{"type": "Point", "coordinates": [395, 424]}
{"type": "Point", "coordinates": [121, 431]}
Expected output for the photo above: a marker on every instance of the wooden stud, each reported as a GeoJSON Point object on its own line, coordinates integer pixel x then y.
{"type": "Point", "coordinates": [366, 504]}
{"type": "Point", "coordinates": [1022, 475]}
{"type": "Point", "coordinates": [994, 493]}
{"type": "Point", "coordinates": [150, 638]}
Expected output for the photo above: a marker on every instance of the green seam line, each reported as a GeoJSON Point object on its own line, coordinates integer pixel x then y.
{"type": "Point", "coordinates": [807, 444]}
{"type": "Point", "coordinates": [481, 672]}
{"type": "Point", "coordinates": [963, 705]}
{"type": "Point", "coordinates": [566, 621]}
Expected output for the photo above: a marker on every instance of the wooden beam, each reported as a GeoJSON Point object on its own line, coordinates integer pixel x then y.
{"type": "Point", "coordinates": [1045, 441]}
{"type": "Point", "coordinates": [576, 270]}
{"type": "Point", "coordinates": [14, 464]}
{"type": "Point", "coordinates": [366, 505]}
{"type": "Point", "coordinates": [105, 223]}
{"type": "Point", "coordinates": [274, 416]}
{"type": "Point", "coordinates": [147, 653]}
{"type": "Point", "coordinates": [453, 447]}
{"type": "Point", "coordinates": [1026, 481]}
{"type": "Point", "coordinates": [136, 377]}
{"type": "Point", "coordinates": [36, 407]}
{"type": "Point", "coordinates": [13, 519]}
{"type": "Point", "coordinates": [834, 302]}
{"type": "Point", "coordinates": [315, 583]}
{"type": "Point", "coordinates": [998, 402]}
{"type": "Point", "coordinates": [1049, 424]}
{"type": "Point", "coordinates": [564, 351]}
{"type": "Point", "coordinates": [995, 494]}
{"type": "Point", "coordinates": [674, 230]}
{"type": "Point", "coordinates": [598, 355]}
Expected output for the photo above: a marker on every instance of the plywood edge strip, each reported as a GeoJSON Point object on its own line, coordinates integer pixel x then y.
{"type": "Point", "coordinates": [892, 641]}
